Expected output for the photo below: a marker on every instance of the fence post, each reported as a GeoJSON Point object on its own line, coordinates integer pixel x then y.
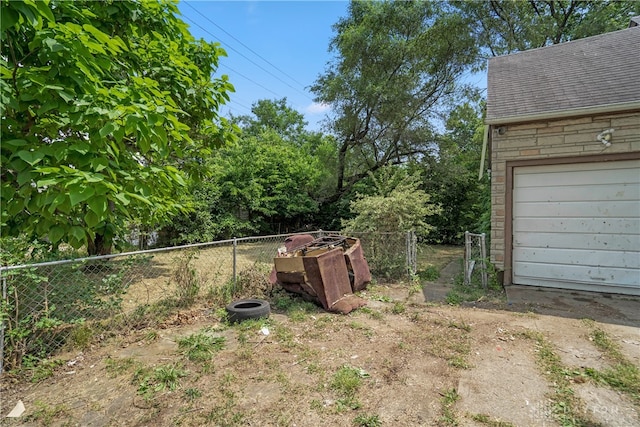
{"type": "Point", "coordinates": [467, 258]}
{"type": "Point", "coordinates": [483, 254]}
{"type": "Point", "coordinates": [235, 252]}
{"type": "Point", "coordinates": [4, 299]}
{"type": "Point", "coordinates": [411, 257]}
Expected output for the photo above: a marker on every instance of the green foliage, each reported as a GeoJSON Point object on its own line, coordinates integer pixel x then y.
{"type": "Point", "coordinates": [46, 306]}
{"type": "Point", "coordinates": [152, 381]}
{"type": "Point", "coordinates": [272, 177]}
{"type": "Point", "coordinates": [191, 394]}
{"type": "Point", "coordinates": [506, 26]}
{"type": "Point", "coordinates": [200, 347]}
{"type": "Point", "coordinates": [363, 420]}
{"type": "Point", "coordinates": [394, 205]}
{"type": "Point", "coordinates": [276, 116]}
{"type": "Point", "coordinates": [45, 414]}
{"type": "Point", "coordinates": [474, 291]}
{"type": "Point", "coordinates": [451, 177]}
{"type": "Point", "coordinates": [623, 376]}
{"type": "Point", "coordinates": [345, 383]}
{"type": "Point", "coordinates": [431, 273]}
{"type": "Point", "coordinates": [395, 64]}
{"type": "Point", "coordinates": [251, 282]}
{"type": "Point", "coordinates": [449, 399]}
{"type": "Point", "coordinates": [107, 109]}
{"type": "Point", "coordinates": [186, 279]}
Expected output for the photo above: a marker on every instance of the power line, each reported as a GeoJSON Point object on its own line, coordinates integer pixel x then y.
{"type": "Point", "coordinates": [244, 56]}
{"type": "Point", "coordinates": [252, 81]}
{"type": "Point", "coordinates": [244, 45]}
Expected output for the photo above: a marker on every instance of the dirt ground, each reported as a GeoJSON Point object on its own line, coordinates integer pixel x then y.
{"type": "Point", "coordinates": [417, 362]}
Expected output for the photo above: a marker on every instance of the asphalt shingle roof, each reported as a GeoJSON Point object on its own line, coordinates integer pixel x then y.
{"type": "Point", "coordinates": [595, 71]}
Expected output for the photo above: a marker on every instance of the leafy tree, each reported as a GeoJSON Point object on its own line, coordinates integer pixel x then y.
{"type": "Point", "coordinates": [397, 204]}
{"type": "Point", "coordinates": [451, 177]}
{"type": "Point", "coordinates": [273, 177]}
{"type": "Point", "coordinates": [107, 110]}
{"type": "Point", "coordinates": [507, 26]}
{"type": "Point", "coordinates": [277, 116]}
{"type": "Point", "coordinates": [395, 64]}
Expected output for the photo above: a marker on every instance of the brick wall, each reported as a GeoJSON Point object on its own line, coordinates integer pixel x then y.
{"type": "Point", "coordinates": [569, 138]}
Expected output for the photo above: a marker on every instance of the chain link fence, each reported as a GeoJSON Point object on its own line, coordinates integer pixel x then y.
{"type": "Point", "coordinates": [48, 306]}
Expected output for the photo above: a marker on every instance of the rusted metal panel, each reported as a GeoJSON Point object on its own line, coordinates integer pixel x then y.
{"type": "Point", "coordinates": [326, 270]}
{"type": "Point", "coordinates": [358, 265]}
{"type": "Point", "coordinates": [328, 275]}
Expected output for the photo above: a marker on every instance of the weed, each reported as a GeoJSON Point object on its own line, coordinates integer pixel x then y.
{"type": "Point", "coordinates": [347, 380]}
{"type": "Point", "coordinates": [565, 404]}
{"type": "Point", "coordinates": [458, 362]}
{"type": "Point", "coordinates": [252, 281]}
{"type": "Point", "coordinates": [299, 310]}
{"type": "Point", "coordinates": [168, 376]}
{"type": "Point", "coordinates": [186, 278]}
{"type": "Point", "coordinates": [486, 420]}
{"type": "Point", "coordinates": [431, 273]}
{"type": "Point", "coordinates": [46, 414]}
{"type": "Point", "coordinates": [449, 398]}
{"type": "Point", "coordinates": [462, 325]}
{"type": "Point", "coordinates": [624, 376]}
{"type": "Point", "coordinates": [200, 347]}
{"type": "Point", "coordinates": [398, 308]}
{"type": "Point", "coordinates": [41, 369]}
{"type": "Point", "coordinates": [160, 379]}
{"type": "Point", "coordinates": [364, 420]}
{"type": "Point", "coordinates": [374, 314]}
{"type": "Point", "coordinates": [192, 394]}
{"type": "Point", "coordinates": [81, 336]}
{"type": "Point", "coordinates": [474, 291]}
{"type": "Point", "coordinates": [117, 367]}
{"type": "Point", "coordinates": [151, 336]}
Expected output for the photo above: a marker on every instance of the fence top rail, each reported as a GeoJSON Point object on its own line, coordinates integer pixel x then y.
{"type": "Point", "coordinates": [146, 251]}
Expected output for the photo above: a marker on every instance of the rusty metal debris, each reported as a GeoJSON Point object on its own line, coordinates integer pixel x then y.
{"type": "Point", "coordinates": [327, 270]}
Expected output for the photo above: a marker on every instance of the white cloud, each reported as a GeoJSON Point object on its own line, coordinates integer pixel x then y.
{"type": "Point", "coordinates": [317, 108]}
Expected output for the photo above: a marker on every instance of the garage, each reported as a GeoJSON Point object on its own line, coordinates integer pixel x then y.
{"type": "Point", "coordinates": [577, 226]}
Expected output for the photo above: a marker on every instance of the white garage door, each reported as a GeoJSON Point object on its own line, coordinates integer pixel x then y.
{"type": "Point", "coordinates": [577, 226]}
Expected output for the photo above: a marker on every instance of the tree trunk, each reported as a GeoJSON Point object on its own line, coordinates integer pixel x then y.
{"type": "Point", "coordinates": [98, 245]}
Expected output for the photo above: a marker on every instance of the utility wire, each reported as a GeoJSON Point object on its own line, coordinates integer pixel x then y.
{"type": "Point", "coordinates": [252, 81]}
{"type": "Point", "coordinates": [244, 45]}
{"type": "Point", "coordinates": [243, 55]}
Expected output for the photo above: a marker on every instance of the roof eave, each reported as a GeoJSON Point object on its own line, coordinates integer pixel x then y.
{"type": "Point", "coordinates": [574, 112]}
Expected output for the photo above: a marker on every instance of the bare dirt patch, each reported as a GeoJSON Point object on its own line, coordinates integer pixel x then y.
{"type": "Point", "coordinates": [411, 361]}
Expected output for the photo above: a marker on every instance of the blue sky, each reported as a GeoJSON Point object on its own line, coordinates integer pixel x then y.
{"type": "Point", "coordinates": [293, 36]}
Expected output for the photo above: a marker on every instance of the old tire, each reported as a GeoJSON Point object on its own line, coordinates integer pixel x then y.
{"type": "Point", "coordinates": [245, 309]}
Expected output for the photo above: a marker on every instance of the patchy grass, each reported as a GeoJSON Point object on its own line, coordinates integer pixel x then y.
{"type": "Point", "coordinates": [345, 383]}
{"type": "Point", "coordinates": [488, 421]}
{"type": "Point", "coordinates": [566, 407]}
{"type": "Point", "coordinates": [447, 403]}
{"type": "Point", "coordinates": [200, 347]}
{"type": "Point", "coordinates": [623, 376]}
{"type": "Point", "coordinates": [45, 414]}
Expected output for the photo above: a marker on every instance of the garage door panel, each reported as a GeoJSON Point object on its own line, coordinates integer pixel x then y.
{"type": "Point", "coordinates": [579, 225]}
{"type": "Point", "coordinates": [550, 180]}
{"type": "Point", "coordinates": [616, 209]}
{"type": "Point", "coordinates": [622, 259]}
{"type": "Point", "coordinates": [570, 193]}
{"type": "Point", "coordinates": [604, 242]}
{"type": "Point", "coordinates": [579, 274]}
